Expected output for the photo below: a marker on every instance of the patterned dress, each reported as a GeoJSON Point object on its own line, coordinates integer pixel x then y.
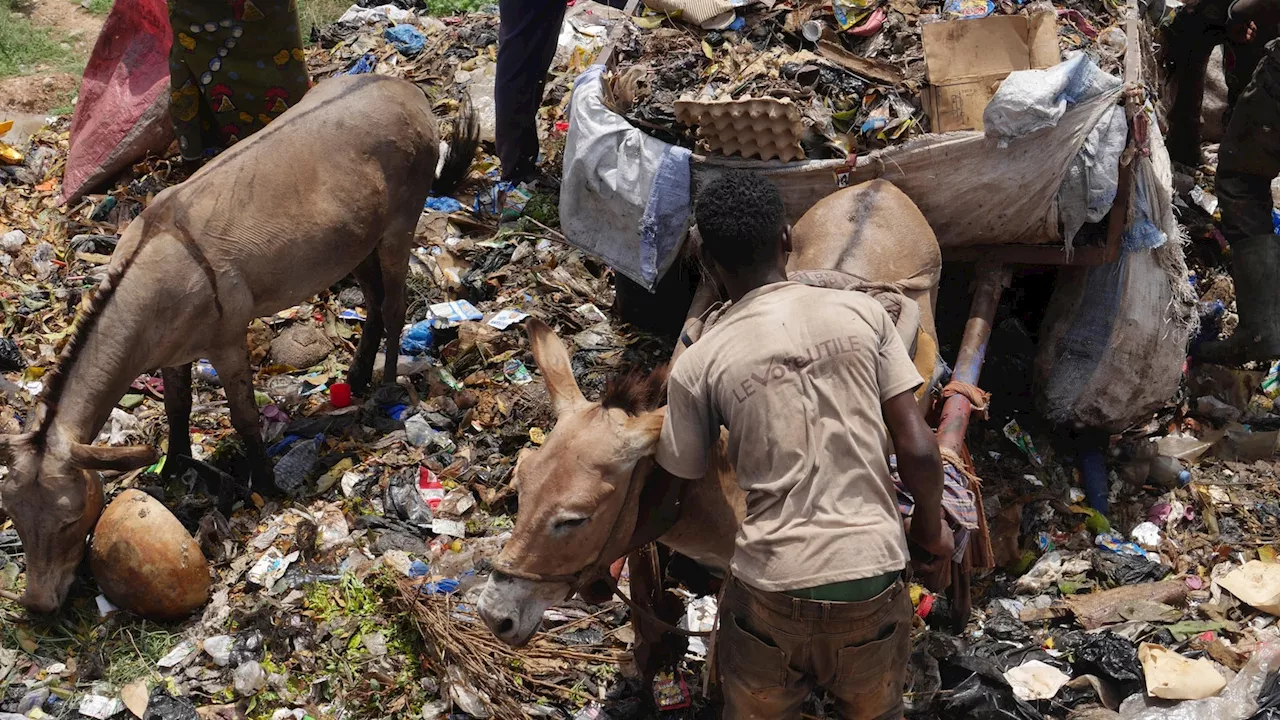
{"type": "Point", "coordinates": [234, 67]}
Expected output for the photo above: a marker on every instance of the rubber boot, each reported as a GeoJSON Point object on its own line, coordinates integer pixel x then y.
{"type": "Point", "coordinates": [1255, 268]}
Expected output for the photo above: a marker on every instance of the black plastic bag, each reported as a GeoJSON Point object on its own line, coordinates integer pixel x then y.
{"type": "Point", "coordinates": [1269, 700]}
{"type": "Point", "coordinates": [1109, 656]}
{"type": "Point", "coordinates": [1122, 570]}
{"type": "Point", "coordinates": [163, 706]}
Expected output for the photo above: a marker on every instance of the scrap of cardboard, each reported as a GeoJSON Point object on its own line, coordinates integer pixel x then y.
{"type": "Point", "coordinates": [967, 59]}
{"type": "Point", "coordinates": [1256, 583]}
{"type": "Point", "coordinates": [1173, 677]}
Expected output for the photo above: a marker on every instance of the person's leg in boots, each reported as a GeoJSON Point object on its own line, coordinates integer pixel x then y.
{"type": "Point", "coordinates": [526, 46]}
{"type": "Point", "coordinates": [1248, 161]}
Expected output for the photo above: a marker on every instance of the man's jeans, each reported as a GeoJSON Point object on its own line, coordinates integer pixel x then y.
{"type": "Point", "coordinates": [773, 649]}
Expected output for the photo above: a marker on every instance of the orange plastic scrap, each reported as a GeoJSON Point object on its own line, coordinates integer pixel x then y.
{"type": "Point", "coordinates": [8, 154]}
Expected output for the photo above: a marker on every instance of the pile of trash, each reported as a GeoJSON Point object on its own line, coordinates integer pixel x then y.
{"type": "Point", "coordinates": [848, 76]}
{"type": "Point", "coordinates": [459, 53]}
{"type": "Point", "coordinates": [355, 596]}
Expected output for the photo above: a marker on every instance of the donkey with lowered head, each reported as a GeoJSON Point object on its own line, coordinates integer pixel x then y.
{"type": "Point", "coordinates": [333, 186]}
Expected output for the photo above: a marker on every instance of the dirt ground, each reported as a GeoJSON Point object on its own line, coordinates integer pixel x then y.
{"type": "Point", "coordinates": [44, 91]}
{"type": "Point", "coordinates": [36, 93]}
{"type": "Point", "coordinates": [75, 25]}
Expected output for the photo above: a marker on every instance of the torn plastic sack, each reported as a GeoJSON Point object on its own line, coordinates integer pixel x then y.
{"type": "Point", "coordinates": [123, 109]}
{"type": "Point", "coordinates": [984, 694]}
{"type": "Point", "coordinates": [1089, 187]}
{"type": "Point", "coordinates": [1239, 701]}
{"type": "Point", "coordinates": [1122, 570]}
{"type": "Point", "coordinates": [1269, 700]}
{"type": "Point", "coordinates": [625, 197]}
{"type": "Point", "coordinates": [1114, 336]}
{"type": "Point", "coordinates": [709, 14]}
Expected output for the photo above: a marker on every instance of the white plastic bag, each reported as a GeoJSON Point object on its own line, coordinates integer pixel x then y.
{"type": "Point", "coordinates": [1031, 100]}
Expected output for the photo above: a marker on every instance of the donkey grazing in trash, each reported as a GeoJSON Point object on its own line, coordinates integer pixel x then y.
{"type": "Point", "coordinates": [333, 186]}
{"type": "Point", "coordinates": [579, 493]}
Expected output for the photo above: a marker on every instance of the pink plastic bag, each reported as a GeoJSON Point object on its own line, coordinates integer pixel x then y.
{"type": "Point", "coordinates": [122, 113]}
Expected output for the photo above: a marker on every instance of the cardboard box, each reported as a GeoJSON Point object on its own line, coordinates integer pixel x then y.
{"type": "Point", "coordinates": [965, 61]}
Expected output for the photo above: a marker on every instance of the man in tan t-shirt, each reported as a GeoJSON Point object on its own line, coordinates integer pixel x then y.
{"type": "Point", "coordinates": [813, 384]}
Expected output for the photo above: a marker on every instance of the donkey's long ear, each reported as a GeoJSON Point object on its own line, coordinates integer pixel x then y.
{"type": "Point", "coordinates": [93, 457]}
{"type": "Point", "coordinates": [553, 360]}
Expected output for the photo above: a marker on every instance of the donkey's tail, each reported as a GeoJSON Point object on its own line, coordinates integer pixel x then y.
{"type": "Point", "coordinates": [464, 140]}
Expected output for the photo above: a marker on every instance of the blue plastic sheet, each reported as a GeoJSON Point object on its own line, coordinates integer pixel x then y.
{"type": "Point", "coordinates": [365, 64]}
{"type": "Point", "coordinates": [417, 339]}
{"type": "Point", "coordinates": [443, 587]}
{"type": "Point", "coordinates": [405, 38]}
{"type": "Point", "coordinates": [444, 204]}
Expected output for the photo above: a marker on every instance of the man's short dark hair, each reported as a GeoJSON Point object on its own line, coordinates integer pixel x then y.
{"type": "Point", "coordinates": [741, 219]}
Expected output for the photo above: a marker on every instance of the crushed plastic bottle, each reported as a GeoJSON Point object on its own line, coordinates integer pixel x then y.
{"type": "Point", "coordinates": [1168, 472]}
{"type": "Point", "coordinates": [250, 678]}
{"type": "Point", "coordinates": [293, 469]}
{"type": "Point", "coordinates": [42, 261]}
{"type": "Point", "coordinates": [417, 430]}
{"type": "Point", "coordinates": [419, 433]}
{"type": "Point", "coordinates": [218, 647]}
{"type": "Point", "coordinates": [204, 370]}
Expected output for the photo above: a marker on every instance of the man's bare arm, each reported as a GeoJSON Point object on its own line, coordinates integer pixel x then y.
{"type": "Point", "coordinates": [920, 467]}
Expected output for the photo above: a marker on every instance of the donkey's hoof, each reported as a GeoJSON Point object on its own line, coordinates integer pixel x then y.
{"type": "Point", "coordinates": [267, 487]}
{"type": "Point", "coordinates": [359, 383]}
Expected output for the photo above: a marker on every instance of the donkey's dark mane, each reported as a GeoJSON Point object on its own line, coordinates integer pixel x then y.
{"type": "Point", "coordinates": [637, 391]}
{"type": "Point", "coordinates": [86, 320]}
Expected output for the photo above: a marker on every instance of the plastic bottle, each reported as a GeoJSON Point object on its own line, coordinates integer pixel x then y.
{"type": "Point", "coordinates": [1168, 472]}
{"type": "Point", "coordinates": [205, 371]}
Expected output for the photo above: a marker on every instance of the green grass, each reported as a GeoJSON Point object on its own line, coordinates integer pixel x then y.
{"type": "Point", "coordinates": [100, 7]}
{"type": "Point", "coordinates": [444, 8]}
{"type": "Point", "coordinates": [26, 48]}
{"type": "Point", "coordinates": [122, 647]}
{"type": "Point", "coordinates": [318, 13]}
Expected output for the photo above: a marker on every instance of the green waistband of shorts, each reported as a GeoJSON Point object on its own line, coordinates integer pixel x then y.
{"type": "Point", "coordinates": [859, 590]}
